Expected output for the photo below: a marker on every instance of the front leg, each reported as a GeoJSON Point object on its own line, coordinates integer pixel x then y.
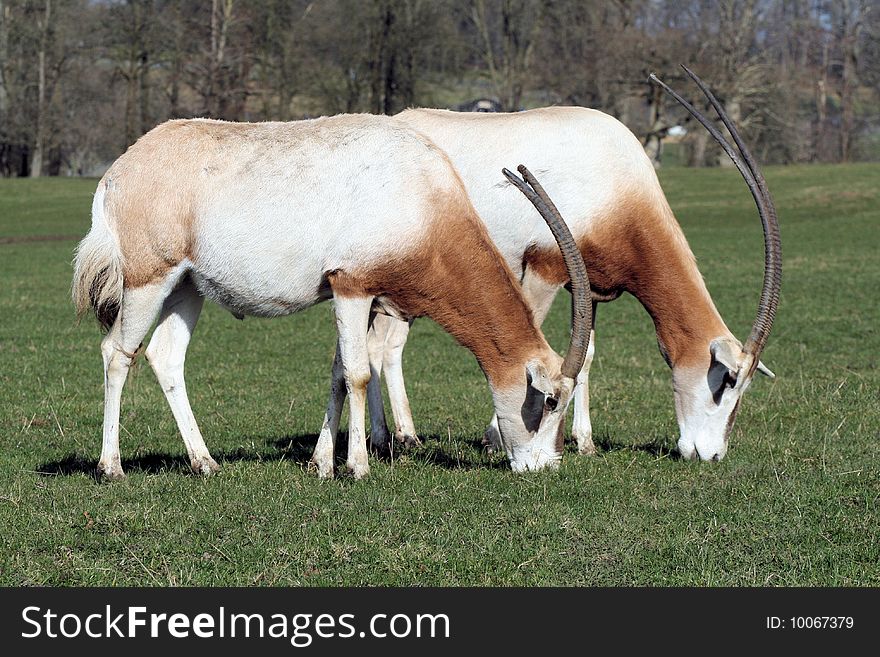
{"type": "Point", "coordinates": [352, 321]}
{"type": "Point", "coordinates": [582, 428]}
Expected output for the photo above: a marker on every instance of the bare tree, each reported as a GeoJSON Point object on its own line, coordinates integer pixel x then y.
{"type": "Point", "coordinates": [44, 25]}
{"type": "Point", "coordinates": [17, 63]}
{"type": "Point", "coordinates": [277, 26]}
{"type": "Point", "coordinates": [80, 80]}
{"type": "Point", "coordinates": [132, 44]}
{"type": "Point", "coordinates": [221, 18]}
{"type": "Point", "coordinates": [850, 16]}
{"type": "Point", "coordinates": [508, 30]}
{"type": "Point", "coordinates": [5, 18]}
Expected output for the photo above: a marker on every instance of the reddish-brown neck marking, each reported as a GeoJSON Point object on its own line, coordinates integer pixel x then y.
{"type": "Point", "coordinates": [458, 279]}
{"type": "Point", "coordinates": [638, 247]}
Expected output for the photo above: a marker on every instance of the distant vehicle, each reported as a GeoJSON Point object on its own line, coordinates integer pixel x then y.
{"type": "Point", "coordinates": [480, 105]}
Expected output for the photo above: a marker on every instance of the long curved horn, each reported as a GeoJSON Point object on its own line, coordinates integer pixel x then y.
{"type": "Point", "coordinates": [581, 303]}
{"type": "Point", "coordinates": [748, 167]}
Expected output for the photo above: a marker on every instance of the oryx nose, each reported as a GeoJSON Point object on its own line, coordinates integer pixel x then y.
{"type": "Point", "coordinates": [716, 457]}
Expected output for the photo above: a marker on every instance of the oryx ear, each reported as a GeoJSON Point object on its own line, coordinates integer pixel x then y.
{"type": "Point", "coordinates": [538, 377]}
{"type": "Point", "coordinates": [766, 371]}
{"type": "Point", "coordinates": [727, 353]}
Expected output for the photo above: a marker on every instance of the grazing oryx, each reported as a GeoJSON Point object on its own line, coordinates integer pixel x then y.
{"type": "Point", "coordinates": [606, 187]}
{"type": "Point", "coordinates": [270, 218]}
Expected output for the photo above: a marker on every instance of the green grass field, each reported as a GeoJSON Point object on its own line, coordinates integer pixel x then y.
{"type": "Point", "coordinates": [794, 503]}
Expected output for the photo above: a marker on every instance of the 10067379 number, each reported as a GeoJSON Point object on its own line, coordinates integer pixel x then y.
{"type": "Point", "coordinates": [810, 623]}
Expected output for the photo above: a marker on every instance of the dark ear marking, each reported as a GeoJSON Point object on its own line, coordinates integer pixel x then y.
{"type": "Point", "coordinates": [730, 379]}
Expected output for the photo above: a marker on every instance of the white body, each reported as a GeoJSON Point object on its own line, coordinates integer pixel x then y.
{"type": "Point", "coordinates": [584, 158]}
{"type": "Point", "coordinates": [605, 187]}
{"type": "Point", "coordinates": [267, 219]}
{"type": "Point", "coordinates": [269, 233]}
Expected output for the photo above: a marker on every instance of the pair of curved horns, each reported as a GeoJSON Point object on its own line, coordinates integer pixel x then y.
{"type": "Point", "coordinates": [580, 285]}
{"type": "Point", "coordinates": [581, 303]}
{"type": "Point", "coordinates": [750, 172]}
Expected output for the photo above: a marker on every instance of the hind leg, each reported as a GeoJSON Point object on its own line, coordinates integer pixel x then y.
{"type": "Point", "coordinates": [385, 342]}
{"type": "Point", "coordinates": [395, 341]}
{"type": "Point", "coordinates": [166, 354]}
{"type": "Point", "coordinates": [136, 314]}
{"type": "Point", "coordinates": [380, 437]}
{"type": "Point", "coordinates": [323, 458]}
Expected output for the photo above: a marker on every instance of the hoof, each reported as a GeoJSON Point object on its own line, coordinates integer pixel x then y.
{"type": "Point", "coordinates": [380, 445]}
{"type": "Point", "coordinates": [205, 466]}
{"type": "Point", "coordinates": [492, 440]}
{"type": "Point", "coordinates": [324, 470]}
{"type": "Point", "coordinates": [408, 440]}
{"type": "Point", "coordinates": [585, 444]}
{"type": "Point", "coordinates": [110, 472]}
{"type": "Point", "coordinates": [358, 470]}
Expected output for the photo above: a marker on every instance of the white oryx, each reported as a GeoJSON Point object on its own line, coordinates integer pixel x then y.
{"type": "Point", "coordinates": [270, 218]}
{"type": "Point", "coordinates": [606, 188]}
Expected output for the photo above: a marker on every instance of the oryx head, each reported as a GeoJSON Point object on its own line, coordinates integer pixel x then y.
{"type": "Point", "coordinates": [708, 393]}
{"type": "Point", "coordinates": [531, 413]}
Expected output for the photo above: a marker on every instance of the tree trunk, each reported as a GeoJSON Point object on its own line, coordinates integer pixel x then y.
{"type": "Point", "coordinates": [176, 63]}
{"type": "Point", "coordinates": [174, 95]}
{"type": "Point", "coordinates": [40, 131]}
{"type": "Point", "coordinates": [657, 129]}
{"type": "Point", "coordinates": [131, 122]}
{"type": "Point", "coordinates": [212, 64]}
{"type": "Point", "coordinates": [390, 84]}
{"type": "Point", "coordinates": [851, 29]}
{"type": "Point", "coordinates": [819, 151]}
{"type": "Point", "coordinates": [144, 71]}
{"type": "Point", "coordinates": [654, 148]}
{"type": "Point", "coordinates": [407, 59]}
{"type": "Point", "coordinates": [481, 22]}
{"type": "Point", "coordinates": [221, 16]}
{"type": "Point", "coordinates": [734, 111]}
{"type": "Point", "coordinates": [697, 150]}
{"type": "Point", "coordinates": [4, 57]}
{"type": "Point", "coordinates": [380, 84]}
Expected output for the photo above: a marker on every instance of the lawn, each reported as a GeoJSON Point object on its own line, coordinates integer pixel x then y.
{"type": "Point", "coordinates": [794, 503]}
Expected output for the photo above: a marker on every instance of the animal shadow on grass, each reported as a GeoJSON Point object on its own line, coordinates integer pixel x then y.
{"type": "Point", "coordinates": [434, 450]}
{"type": "Point", "coordinates": [297, 449]}
{"type": "Point", "coordinates": [658, 446]}
{"type": "Point", "coordinates": [458, 455]}
{"type": "Point", "coordinates": [451, 454]}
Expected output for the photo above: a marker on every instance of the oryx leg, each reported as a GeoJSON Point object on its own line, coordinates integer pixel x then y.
{"type": "Point", "coordinates": [582, 428]}
{"type": "Point", "coordinates": [395, 341]}
{"type": "Point", "coordinates": [539, 295]}
{"type": "Point", "coordinates": [380, 437]}
{"type": "Point", "coordinates": [137, 312]}
{"type": "Point", "coordinates": [390, 334]}
{"type": "Point", "coordinates": [166, 354]}
{"type": "Point", "coordinates": [352, 322]}
{"type": "Point", "coordinates": [323, 457]}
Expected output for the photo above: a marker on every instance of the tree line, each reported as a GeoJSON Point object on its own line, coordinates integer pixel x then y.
{"type": "Point", "coordinates": [80, 80]}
